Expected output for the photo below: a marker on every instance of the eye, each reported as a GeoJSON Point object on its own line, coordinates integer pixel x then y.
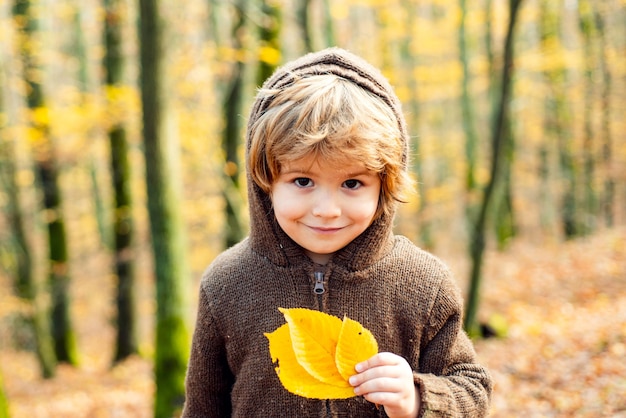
{"type": "Point", "coordinates": [352, 184]}
{"type": "Point", "coordinates": [303, 182]}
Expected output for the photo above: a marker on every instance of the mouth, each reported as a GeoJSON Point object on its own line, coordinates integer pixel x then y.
{"type": "Point", "coordinates": [325, 229]}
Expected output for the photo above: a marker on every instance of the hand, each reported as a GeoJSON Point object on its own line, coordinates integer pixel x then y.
{"type": "Point", "coordinates": [387, 379]}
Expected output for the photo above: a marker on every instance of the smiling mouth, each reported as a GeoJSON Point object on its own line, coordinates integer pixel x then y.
{"type": "Point", "coordinates": [325, 230]}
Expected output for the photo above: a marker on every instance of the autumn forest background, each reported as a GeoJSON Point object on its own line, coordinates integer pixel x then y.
{"type": "Point", "coordinates": [122, 177]}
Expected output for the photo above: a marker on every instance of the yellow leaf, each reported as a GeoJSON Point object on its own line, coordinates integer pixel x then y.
{"type": "Point", "coordinates": [356, 344]}
{"type": "Point", "coordinates": [293, 376]}
{"type": "Point", "coordinates": [315, 353]}
{"type": "Point", "coordinates": [314, 338]}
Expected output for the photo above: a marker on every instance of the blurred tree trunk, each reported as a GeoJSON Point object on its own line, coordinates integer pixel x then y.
{"type": "Point", "coordinates": [498, 147]}
{"type": "Point", "coordinates": [166, 226]}
{"type": "Point", "coordinates": [271, 23]}
{"type": "Point", "coordinates": [100, 210]}
{"type": "Point", "coordinates": [123, 226]}
{"type": "Point", "coordinates": [78, 48]}
{"type": "Point", "coordinates": [503, 212]}
{"type": "Point", "coordinates": [608, 193]}
{"type": "Point", "coordinates": [503, 215]}
{"type": "Point", "coordinates": [557, 115]}
{"type": "Point", "coordinates": [469, 122]}
{"type": "Point", "coordinates": [506, 227]}
{"type": "Point", "coordinates": [62, 332]}
{"type": "Point", "coordinates": [546, 206]}
{"type": "Point", "coordinates": [302, 16]}
{"type": "Point", "coordinates": [25, 282]}
{"type": "Point", "coordinates": [231, 136]}
{"type": "Point", "coordinates": [504, 219]}
{"type": "Point", "coordinates": [329, 27]}
{"type": "Point", "coordinates": [589, 35]}
{"type": "Point", "coordinates": [491, 72]}
{"type": "Point", "coordinates": [214, 26]}
{"type": "Point", "coordinates": [547, 199]}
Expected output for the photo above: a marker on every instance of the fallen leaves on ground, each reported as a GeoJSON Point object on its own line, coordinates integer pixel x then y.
{"type": "Point", "coordinates": [564, 307]}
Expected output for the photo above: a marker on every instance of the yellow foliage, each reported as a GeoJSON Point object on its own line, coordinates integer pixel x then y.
{"type": "Point", "coordinates": [34, 136]}
{"type": "Point", "coordinates": [228, 54]}
{"type": "Point", "coordinates": [269, 55]}
{"type": "Point", "coordinates": [315, 353]}
{"type": "Point", "coordinates": [121, 101]}
{"type": "Point", "coordinates": [41, 116]}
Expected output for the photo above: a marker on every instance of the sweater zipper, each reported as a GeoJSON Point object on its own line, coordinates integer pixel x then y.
{"type": "Point", "coordinates": [318, 289]}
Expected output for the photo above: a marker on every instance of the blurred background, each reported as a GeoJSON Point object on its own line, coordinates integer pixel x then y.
{"type": "Point", "coordinates": [122, 177]}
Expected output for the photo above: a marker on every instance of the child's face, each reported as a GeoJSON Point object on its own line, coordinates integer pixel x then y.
{"type": "Point", "coordinates": [322, 206]}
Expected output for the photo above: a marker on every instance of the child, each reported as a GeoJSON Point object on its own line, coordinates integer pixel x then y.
{"type": "Point", "coordinates": [326, 153]}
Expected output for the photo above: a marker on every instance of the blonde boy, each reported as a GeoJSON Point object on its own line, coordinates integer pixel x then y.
{"type": "Point", "coordinates": [327, 154]}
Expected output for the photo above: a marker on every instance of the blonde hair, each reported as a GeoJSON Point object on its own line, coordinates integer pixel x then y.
{"type": "Point", "coordinates": [331, 118]}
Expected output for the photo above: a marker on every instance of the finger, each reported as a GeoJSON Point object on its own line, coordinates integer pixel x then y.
{"type": "Point", "coordinates": [398, 402]}
{"type": "Point", "coordinates": [374, 373]}
{"type": "Point", "coordinates": [380, 385]}
{"type": "Point", "coordinates": [380, 359]}
{"type": "Point", "coordinates": [382, 398]}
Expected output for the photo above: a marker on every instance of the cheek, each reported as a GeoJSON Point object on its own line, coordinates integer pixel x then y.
{"type": "Point", "coordinates": [367, 209]}
{"type": "Point", "coordinates": [285, 206]}
{"type": "Point", "coordinates": [368, 214]}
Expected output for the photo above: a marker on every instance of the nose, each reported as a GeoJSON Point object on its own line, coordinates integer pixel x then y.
{"type": "Point", "coordinates": [326, 205]}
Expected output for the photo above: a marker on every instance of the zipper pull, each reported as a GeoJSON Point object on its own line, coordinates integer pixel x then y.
{"type": "Point", "coordinates": [319, 283]}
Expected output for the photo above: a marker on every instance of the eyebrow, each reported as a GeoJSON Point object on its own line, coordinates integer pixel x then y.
{"type": "Point", "coordinates": [294, 171]}
{"type": "Point", "coordinates": [361, 173]}
{"type": "Point", "coordinates": [358, 173]}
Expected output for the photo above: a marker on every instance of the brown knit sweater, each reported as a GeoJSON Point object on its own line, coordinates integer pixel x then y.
{"type": "Point", "coordinates": [404, 295]}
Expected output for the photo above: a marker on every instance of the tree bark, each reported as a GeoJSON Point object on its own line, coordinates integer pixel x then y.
{"type": "Point", "coordinates": [558, 119]}
{"type": "Point", "coordinates": [46, 165]}
{"type": "Point", "coordinates": [172, 335]}
{"type": "Point", "coordinates": [231, 136]}
{"type": "Point", "coordinates": [498, 145]}
{"type": "Point", "coordinates": [469, 122]}
{"type": "Point", "coordinates": [589, 36]}
{"type": "Point", "coordinates": [59, 279]}
{"type": "Point", "coordinates": [503, 214]}
{"type": "Point", "coordinates": [123, 225]}
{"type": "Point", "coordinates": [609, 186]}
{"type": "Point", "coordinates": [25, 282]}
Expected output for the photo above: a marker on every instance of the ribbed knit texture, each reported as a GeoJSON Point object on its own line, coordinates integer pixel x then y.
{"type": "Point", "coordinates": [404, 295]}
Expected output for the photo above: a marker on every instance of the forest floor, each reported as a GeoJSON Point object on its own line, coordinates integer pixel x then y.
{"type": "Point", "coordinates": [564, 354]}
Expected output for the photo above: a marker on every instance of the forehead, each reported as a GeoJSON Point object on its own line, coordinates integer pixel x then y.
{"type": "Point", "coordinates": [340, 165]}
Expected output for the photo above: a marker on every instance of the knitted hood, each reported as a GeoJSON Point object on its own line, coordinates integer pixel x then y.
{"type": "Point", "coordinates": [266, 236]}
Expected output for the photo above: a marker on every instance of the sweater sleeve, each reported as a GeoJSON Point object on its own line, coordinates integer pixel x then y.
{"type": "Point", "coordinates": [450, 382]}
{"type": "Point", "coordinates": [209, 380]}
